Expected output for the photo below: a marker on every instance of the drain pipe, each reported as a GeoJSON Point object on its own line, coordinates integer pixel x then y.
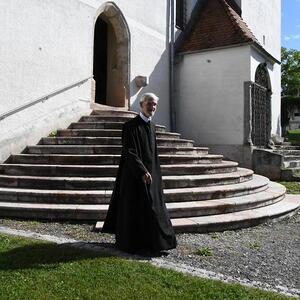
{"type": "Point", "coordinates": [171, 68]}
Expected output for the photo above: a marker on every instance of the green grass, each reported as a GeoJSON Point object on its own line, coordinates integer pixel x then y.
{"type": "Point", "coordinates": [254, 245]}
{"type": "Point", "coordinates": [39, 270]}
{"type": "Point", "coordinates": [293, 135]}
{"type": "Point", "coordinates": [291, 187]}
{"type": "Point", "coordinates": [205, 251]}
{"type": "Point", "coordinates": [53, 133]}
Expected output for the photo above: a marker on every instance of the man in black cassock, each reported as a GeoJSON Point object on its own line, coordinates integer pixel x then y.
{"type": "Point", "coordinates": [137, 213]}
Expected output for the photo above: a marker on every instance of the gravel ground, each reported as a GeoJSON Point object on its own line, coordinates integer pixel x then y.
{"type": "Point", "coordinates": [269, 253]}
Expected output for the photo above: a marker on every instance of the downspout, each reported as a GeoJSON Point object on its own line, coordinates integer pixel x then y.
{"type": "Point", "coordinates": [171, 68]}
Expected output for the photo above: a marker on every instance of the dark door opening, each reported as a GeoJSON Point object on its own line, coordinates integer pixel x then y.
{"type": "Point", "coordinates": [100, 61]}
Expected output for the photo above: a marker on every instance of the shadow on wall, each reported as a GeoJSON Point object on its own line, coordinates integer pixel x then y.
{"type": "Point", "coordinates": [158, 83]}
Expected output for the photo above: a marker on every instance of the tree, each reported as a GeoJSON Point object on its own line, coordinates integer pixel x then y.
{"type": "Point", "coordinates": [290, 84]}
{"type": "Point", "coordinates": [290, 72]}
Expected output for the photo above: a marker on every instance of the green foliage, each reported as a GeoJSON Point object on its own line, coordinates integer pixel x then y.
{"type": "Point", "coordinates": [37, 270]}
{"type": "Point", "coordinates": [290, 83]}
{"type": "Point", "coordinates": [254, 245]}
{"type": "Point", "coordinates": [290, 72]}
{"type": "Point", "coordinates": [291, 187]}
{"type": "Point", "coordinates": [293, 135]}
{"type": "Point", "coordinates": [53, 133]}
{"type": "Point", "coordinates": [205, 251]}
{"type": "Point", "coordinates": [288, 105]}
{"type": "Point", "coordinates": [214, 235]}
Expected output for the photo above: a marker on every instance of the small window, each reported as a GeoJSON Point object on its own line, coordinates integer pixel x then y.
{"type": "Point", "coordinates": [180, 14]}
{"type": "Point", "coordinates": [297, 114]}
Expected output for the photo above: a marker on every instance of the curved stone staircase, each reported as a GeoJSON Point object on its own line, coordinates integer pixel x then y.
{"type": "Point", "coordinates": [70, 176]}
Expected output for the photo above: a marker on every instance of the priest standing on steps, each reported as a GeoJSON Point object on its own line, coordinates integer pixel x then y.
{"type": "Point", "coordinates": [137, 212]}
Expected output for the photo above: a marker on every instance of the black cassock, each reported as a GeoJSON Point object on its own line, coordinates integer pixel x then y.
{"type": "Point", "coordinates": [137, 212]}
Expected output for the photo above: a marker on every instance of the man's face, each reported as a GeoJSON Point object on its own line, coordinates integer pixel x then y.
{"type": "Point", "coordinates": [149, 107]}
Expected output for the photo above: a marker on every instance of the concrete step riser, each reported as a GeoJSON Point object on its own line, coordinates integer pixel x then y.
{"type": "Point", "coordinates": [104, 160]}
{"type": "Point", "coordinates": [111, 113]}
{"type": "Point", "coordinates": [287, 148]}
{"type": "Point", "coordinates": [206, 195]}
{"type": "Point", "coordinates": [108, 141]}
{"type": "Point", "coordinates": [73, 184]}
{"type": "Point", "coordinates": [100, 215]}
{"type": "Point", "coordinates": [105, 133]}
{"type": "Point", "coordinates": [104, 198]}
{"type": "Point", "coordinates": [227, 226]}
{"type": "Point", "coordinates": [105, 125]}
{"type": "Point", "coordinates": [97, 172]}
{"type": "Point", "coordinates": [292, 164]}
{"type": "Point", "coordinates": [288, 152]}
{"type": "Point", "coordinates": [90, 150]}
{"type": "Point", "coordinates": [99, 118]}
{"type": "Point", "coordinates": [291, 158]}
{"type": "Point", "coordinates": [220, 209]}
{"type": "Point", "coordinates": [62, 215]}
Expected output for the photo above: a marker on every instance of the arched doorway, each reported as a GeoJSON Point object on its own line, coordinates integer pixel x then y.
{"type": "Point", "coordinates": [261, 107]}
{"type": "Point", "coordinates": [111, 58]}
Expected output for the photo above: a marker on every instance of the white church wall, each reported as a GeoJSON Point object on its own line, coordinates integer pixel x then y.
{"type": "Point", "coordinates": [147, 22]}
{"type": "Point", "coordinates": [274, 71]}
{"type": "Point", "coordinates": [264, 19]}
{"type": "Point", "coordinates": [47, 45]}
{"type": "Point", "coordinates": [41, 51]}
{"type": "Point", "coordinates": [210, 95]}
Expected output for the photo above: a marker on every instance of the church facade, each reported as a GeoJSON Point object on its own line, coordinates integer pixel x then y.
{"type": "Point", "coordinates": [214, 64]}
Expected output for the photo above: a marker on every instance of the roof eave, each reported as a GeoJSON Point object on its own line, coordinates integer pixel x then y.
{"type": "Point", "coordinates": [265, 53]}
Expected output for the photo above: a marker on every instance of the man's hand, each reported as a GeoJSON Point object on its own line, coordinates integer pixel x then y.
{"type": "Point", "coordinates": [147, 178]}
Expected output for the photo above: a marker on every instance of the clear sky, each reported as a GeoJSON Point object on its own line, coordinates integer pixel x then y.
{"type": "Point", "coordinates": [290, 33]}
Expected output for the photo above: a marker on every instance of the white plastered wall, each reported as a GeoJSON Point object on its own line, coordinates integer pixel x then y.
{"type": "Point", "coordinates": [46, 45]}
{"type": "Point", "coordinates": [264, 19]}
{"type": "Point", "coordinates": [39, 54]}
{"type": "Point", "coordinates": [148, 26]}
{"type": "Point", "coordinates": [210, 95]}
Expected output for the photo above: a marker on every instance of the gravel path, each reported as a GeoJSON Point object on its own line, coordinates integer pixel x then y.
{"type": "Point", "coordinates": [269, 253]}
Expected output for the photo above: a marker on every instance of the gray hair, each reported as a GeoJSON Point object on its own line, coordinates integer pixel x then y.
{"type": "Point", "coordinates": [148, 96]}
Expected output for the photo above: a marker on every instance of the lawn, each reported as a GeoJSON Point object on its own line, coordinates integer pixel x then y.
{"type": "Point", "coordinates": [32, 269]}
{"type": "Point", "coordinates": [293, 135]}
{"type": "Point", "coordinates": [292, 187]}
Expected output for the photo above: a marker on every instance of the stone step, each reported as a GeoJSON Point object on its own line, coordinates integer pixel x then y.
{"type": "Point", "coordinates": [107, 149]}
{"type": "Point", "coordinates": [274, 193]}
{"type": "Point", "coordinates": [110, 112]}
{"type": "Point", "coordinates": [104, 183]}
{"type": "Point", "coordinates": [288, 152]}
{"type": "Point", "coordinates": [106, 133]}
{"type": "Point", "coordinates": [291, 164]}
{"type": "Point", "coordinates": [256, 185]}
{"type": "Point", "coordinates": [106, 125]}
{"type": "Point", "coordinates": [236, 220]}
{"type": "Point", "coordinates": [193, 210]}
{"type": "Point", "coordinates": [291, 157]}
{"type": "Point", "coordinates": [106, 159]}
{"type": "Point", "coordinates": [233, 220]}
{"type": "Point", "coordinates": [296, 169]}
{"type": "Point", "coordinates": [105, 118]}
{"type": "Point", "coordinates": [111, 170]}
{"type": "Point", "coordinates": [287, 147]}
{"type": "Point", "coordinates": [109, 141]}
